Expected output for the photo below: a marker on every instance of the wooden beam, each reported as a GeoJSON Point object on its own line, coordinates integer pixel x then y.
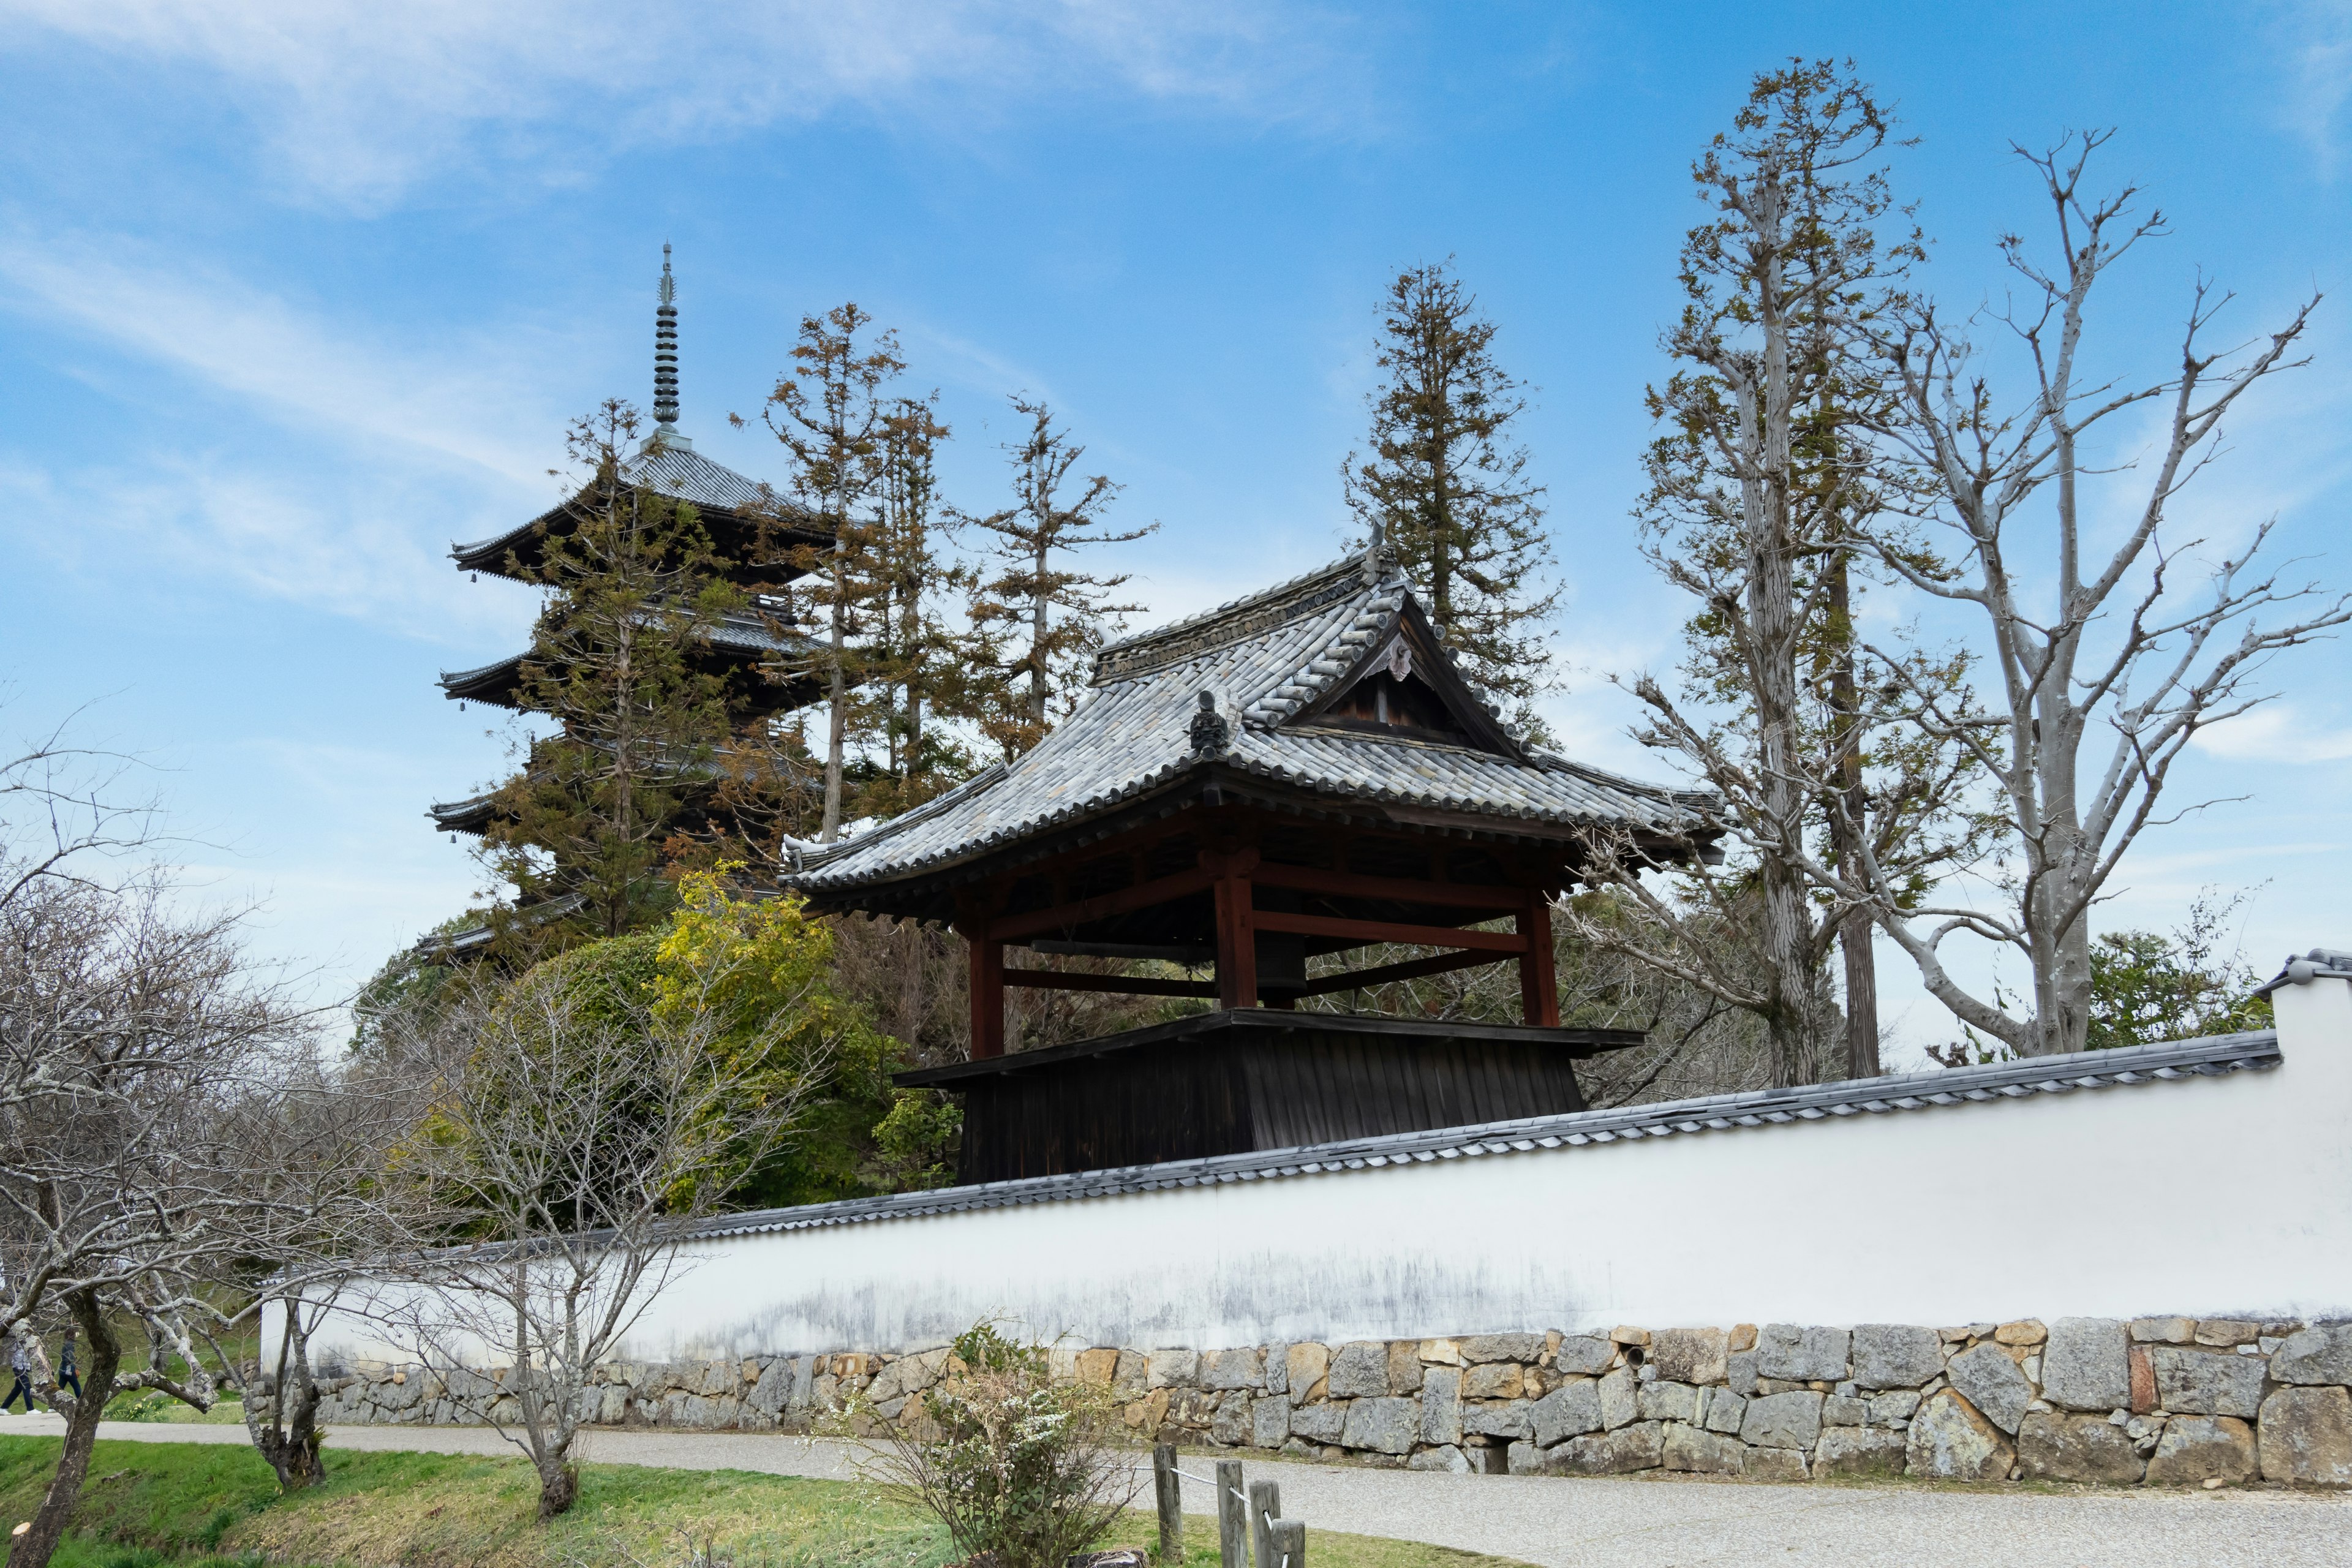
{"type": "Point", "coordinates": [1131, 985]}
{"type": "Point", "coordinates": [1082, 912]}
{"type": "Point", "coordinates": [1400, 890]}
{"type": "Point", "coordinates": [1237, 923]}
{"type": "Point", "coordinates": [987, 993]}
{"type": "Point", "coordinates": [1411, 969]}
{"type": "Point", "coordinates": [1364, 932]}
{"type": "Point", "coordinates": [1538, 989]}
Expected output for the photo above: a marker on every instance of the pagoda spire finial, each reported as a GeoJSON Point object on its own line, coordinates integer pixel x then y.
{"type": "Point", "coordinates": [666, 353]}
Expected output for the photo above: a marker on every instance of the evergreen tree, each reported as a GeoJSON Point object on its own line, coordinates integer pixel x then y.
{"type": "Point", "coordinates": [1446, 490]}
{"type": "Point", "coordinates": [1040, 621]}
{"type": "Point", "coordinates": [829, 412]}
{"type": "Point", "coordinates": [917, 665]}
{"type": "Point", "coordinates": [646, 722]}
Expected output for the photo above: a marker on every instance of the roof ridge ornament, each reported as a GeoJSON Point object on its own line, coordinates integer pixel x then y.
{"type": "Point", "coordinates": [1378, 559]}
{"type": "Point", "coordinates": [666, 354]}
{"type": "Point", "coordinates": [1210, 732]}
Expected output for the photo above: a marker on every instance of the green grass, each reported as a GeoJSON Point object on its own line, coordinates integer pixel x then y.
{"type": "Point", "coordinates": [205, 1506]}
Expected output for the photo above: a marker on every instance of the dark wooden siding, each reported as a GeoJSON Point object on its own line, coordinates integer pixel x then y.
{"type": "Point", "coordinates": [1228, 1091]}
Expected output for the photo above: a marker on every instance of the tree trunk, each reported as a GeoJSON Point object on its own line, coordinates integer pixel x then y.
{"type": "Point", "coordinates": [837, 725]}
{"type": "Point", "coordinates": [34, 1548]}
{"type": "Point", "coordinates": [559, 1488]}
{"type": "Point", "coordinates": [290, 1441]}
{"type": "Point", "coordinates": [1847, 825]}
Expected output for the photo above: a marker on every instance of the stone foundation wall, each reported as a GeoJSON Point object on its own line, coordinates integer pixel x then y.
{"type": "Point", "coordinates": [2160, 1401]}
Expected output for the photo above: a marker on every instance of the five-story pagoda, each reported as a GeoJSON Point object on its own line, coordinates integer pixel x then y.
{"type": "Point", "coordinates": [744, 662]}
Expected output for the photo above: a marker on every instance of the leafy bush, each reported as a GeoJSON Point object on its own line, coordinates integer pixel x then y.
{"type": "Point", "coordinates": [1018, 1466]}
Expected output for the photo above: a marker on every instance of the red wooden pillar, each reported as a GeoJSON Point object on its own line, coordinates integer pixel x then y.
{"type": "Point", "coordinates": [1538, 988]}
{"type": "Point", "coordinates": [1236, 927]}
{"type": "Point", "coordinates": [987, 990]}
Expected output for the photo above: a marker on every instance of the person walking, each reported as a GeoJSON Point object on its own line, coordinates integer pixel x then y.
{"type": "Point", "coordinates": [20, 1362]}
{"type": "Point", "coordinates": [68, 1375]}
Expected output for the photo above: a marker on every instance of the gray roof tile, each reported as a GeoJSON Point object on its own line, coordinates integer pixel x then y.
{"type": "Point", "coordinates": [1266, 658]}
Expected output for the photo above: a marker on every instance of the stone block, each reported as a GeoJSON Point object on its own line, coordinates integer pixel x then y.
{"type": "Point", "coordinates": [1701, 1452]}
{"type": "Point", "coordinates": [1383, 1424]}
{"type": "Point", "coordinates": [1641, 1447]}
{"type": "Point", "coordinates": [1895, 1355]}
{"type": "Point", "coordinates": [1224, 1370]}
{"type": "Point", "coordinates": [2306, 1436]}
{"type": "Point", "coordinates": [2207, 1383]}
{"type": "Point", "coordinates": [1739, 1373]}
{"type": "Point", "coordinates": [1148, 1413]}
{"type": "Point", "coordinates": [1949, 1440]}
{"type": "Point", "coordinates": [2087, 1364]}
{"type": "Point", "coordinates": [1626, 1334]}
{"type": "Point", "coordinates": [1725, 1412]}
{"type": "Point", "coordinates": [1269, 1421]}
{"type": "Point", "coordinates": [1441, 1353]}
{"type": "Point", "coordinates": [1782, 1420]}
{"type": "Point", "coordinates": [1802, 1354]}
{"type": "Point", "coordinates": [2052, 1446]}
{"type": "Point", "coordinates": [1568, 1411]}
{"type": "Point", "coordinates": [769, 1396]}
{"type": "Point", "coordinates": [1845, 1410]}
{"type": "Point", "coordinates": [1777, 1464]}
{"type": "Point", "coordinates": [1664, 1401]}
{"type": "Point", "coordinates": [1584, 1355]}
{"type": "Point", "coordinates": [2195, 1449]}
{"type": "Point", "coordinates": [1502, 1347]}
{"type": "Point", "coordinates": [1493, 1379]}
{"type": "Point", "coordinates": [1233, 1421]}
{"type": "Point", "coordinates": [1523, 1458]}
{"type": "Point", "coordinates": [2314, 1356]}
{"type": "Point", "coordinates": [1404, 1367]}
{"type": "Point", "coordinates": [1620, 1404]}
{"type": "Point", "coordinates": [1132, 1378]}
{"type": "Point", "coordinates": [1274, 1367]}
{"type": "Point", "coordinates": [1505, 1419]}
{"type": "Point", "coordinates": [1173, 1368]}
{"type": "Point", "coordinates": [1192, 1406]}
{"type": "Point", "coordinates": [1689, 1355]}
{"type": "Point", "coordinates": [1991, 1381]}
{"type": "Point", "coordinates": [1848, 1453]}
{"type": "Point", "coordinates": [2026, 1331]}
{"type": "Point", "coordinates": [2143, 1379]}
{"type": "Point", "coordinates": [1441, 1405]}
{"type": "Point", "coordinates": [1097, 1367]}
{"type": "Point", "coordinates": [1886, 1409]}
{"type": "Point", "coordinates": [1304, 1366]}
{"type": "Point", "coordinates": [2227, 1331]}
{"type": "Point", "coordinates": [2162, 1330]}
{"type": "Point", "coordinates": [1447, 1457]}
{"type": "Point", "coordinates": [1318, 1422]}
{"type": "Point", "coordinates": [1360, 1371]}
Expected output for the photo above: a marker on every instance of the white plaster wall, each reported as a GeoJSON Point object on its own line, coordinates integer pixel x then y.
{"type": "Point", "coordinates": [2215, 1197]}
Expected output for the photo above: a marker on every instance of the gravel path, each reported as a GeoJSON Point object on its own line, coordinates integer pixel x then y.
{"type": "Point", "coordinates": [1680, 1523]}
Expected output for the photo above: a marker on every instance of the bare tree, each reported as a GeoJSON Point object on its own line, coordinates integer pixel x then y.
{"type": "Point", "coordinates": [2111, 660]}
{"type": "Point", "coordinates": [132, 1037]}
{"type": "Point", "coordinates": [580, 1128]}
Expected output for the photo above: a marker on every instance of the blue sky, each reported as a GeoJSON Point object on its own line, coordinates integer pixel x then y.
{"type": "Point", "coordinates": [294, 292]}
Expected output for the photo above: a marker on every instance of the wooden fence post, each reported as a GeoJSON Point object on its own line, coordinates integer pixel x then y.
{"type": "Point", "coordinates": [1233, 1517]}
{"type": "Point", "coordinates": [1168, 1489]}
{"type": "Point", "coordinates": [1289, 1544]}
{"type": "Point", "coordinates": [1264, 1504]}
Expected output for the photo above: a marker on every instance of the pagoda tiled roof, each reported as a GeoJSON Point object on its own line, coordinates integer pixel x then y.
{"type": "Point", "coordinates": [1268, 659]}
{"type": "Point", "coordinates": [668, 468]}
{"type": "Point", "coordinates": [740, 632]}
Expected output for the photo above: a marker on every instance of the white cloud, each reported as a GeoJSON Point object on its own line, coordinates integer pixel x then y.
{"type": "Point", "coordinates": [2275, 732]}
{"type": "Point", "coordinates": [2316, 37]}
{"type": "Point", "coordinates": [359, 99]}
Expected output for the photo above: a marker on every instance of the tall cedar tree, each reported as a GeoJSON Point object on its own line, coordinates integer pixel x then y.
{"type": "Point", "coordinates": [1757, 492]}
{"type": "Point", "coordinates": [1034, 601]}
{"type": "Point", "coordinates": [917, 665]}
{"type": "Point", "coordinates": [829, 412]}
{"type": "Point", "coordinates": [645, 720]}
{"type": "Point", "coordinates": [1446, 490]}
